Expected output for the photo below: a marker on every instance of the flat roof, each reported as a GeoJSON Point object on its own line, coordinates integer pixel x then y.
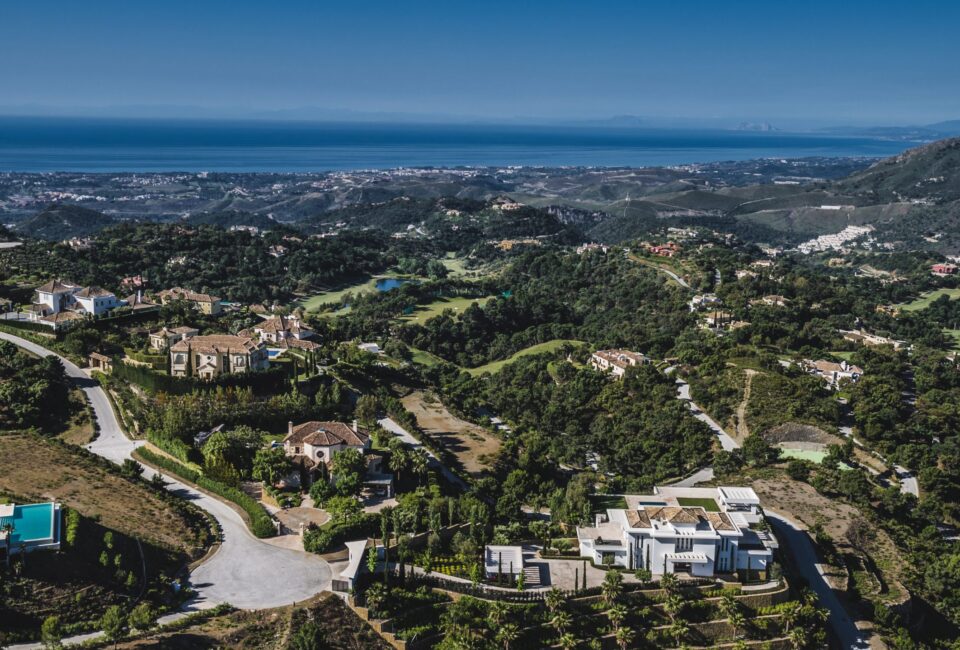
{"type": "Point", "coordinates": [739, 495]}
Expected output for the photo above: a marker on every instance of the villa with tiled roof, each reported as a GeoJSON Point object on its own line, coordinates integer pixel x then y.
{"type": "Point", "coordinates": [616, 362]}
{"type": "Point", "coordinates": [321, 441]}
{"type": "Point", "coordinates": [281, 328]}
{"type": "Point", "coordinates": [208, 357]}
{"type": "Point", "coordinates": [696, 531]}
{"type": "Point", "coordinates": [204, 302]}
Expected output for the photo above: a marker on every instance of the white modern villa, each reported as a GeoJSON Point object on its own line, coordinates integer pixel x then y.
{"type": "Point", "coordinates": [698, 531]}
{"type": "Point", "coordinates": [59, 297]}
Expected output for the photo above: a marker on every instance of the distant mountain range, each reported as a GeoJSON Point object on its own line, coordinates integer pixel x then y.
{"type": "Point", "coordinates": [912, 198]}
{"type": "Point", "coordinates": [935, 131]}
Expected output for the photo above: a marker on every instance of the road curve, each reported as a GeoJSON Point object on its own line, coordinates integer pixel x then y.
{"type": "Point", "coordinates": [245, 572]}
{"type": "Point", "coordinates": [727, 443]}
{"type": "Point", "coordinates": [805, 559]}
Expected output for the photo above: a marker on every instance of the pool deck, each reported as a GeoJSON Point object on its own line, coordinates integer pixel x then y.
{"type": "Point", "coordinates": [36, 526]}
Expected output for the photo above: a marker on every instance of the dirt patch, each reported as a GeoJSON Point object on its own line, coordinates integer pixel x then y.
{"type": "Point", "coordinates": [335, 625]}
{"type": "Point", "coordinates": [291, 518]}
{"type": "Point", "coordinates": [741, 417]}
{"type": "Point", "coordinates": [859, 549]}
{"type": "Point", "coordinates": [793, 432]}
{"type": "Point", "coordinates": [475, 448]}
{"type": "Point", "coordinates": [38, 469]}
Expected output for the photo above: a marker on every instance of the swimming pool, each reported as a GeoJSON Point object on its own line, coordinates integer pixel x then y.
{"type": "Point", "coordinates": [34, 525]}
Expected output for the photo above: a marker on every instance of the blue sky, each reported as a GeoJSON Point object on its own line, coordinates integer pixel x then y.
{"type": "Point", "coordinates": [853, 62]}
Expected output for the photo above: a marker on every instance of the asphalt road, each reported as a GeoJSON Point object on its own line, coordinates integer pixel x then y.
{"type": "Point", "coordinates": [805, 558]}
{"type": "Point", "coordinates": [245, 571]}
{"type": "Point", "coordinates": [683, 393]}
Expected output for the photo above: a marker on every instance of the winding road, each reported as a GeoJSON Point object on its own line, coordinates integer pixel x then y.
{"type": "Point", "coordinates": [245, 572]}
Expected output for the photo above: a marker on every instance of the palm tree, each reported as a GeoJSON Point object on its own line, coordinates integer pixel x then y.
{"type": "Point", "coordinates": [669, 583]}
{"type": "Point", "coordinates": [617, 614]}
{"type": "Point", "coordinates": [611, 588]}
{"type": "Point", "coordinates": [419, 463]}
{"type": "Point", "coordinates": [798, 638]}
{"type": "Point", "coordinates": [507, 634]}
{"type": "Point", "coordinates": [497, 613]}
{"type": "Point", "coordinates": [678, 630]}
{"type": "Point", "coordinates": [737, 621]}
{"type": "Point", "coordinates": [790, 615]}
{"type": "Point", "coordinates": [623, 637]}
{"type": "Point", "coordinates": [553, 599]}
{"type": "Point", "coordinates": [568, 642]}
{"type": "Point", "coordinates": [376, 595]}
{"type": "Point", "coordinates": [399, 459]}
{"type": "Point", "coordinates": [728, 605]}
{"type": "Point", "coordinates": [560, 621]}
{"type": "Point", "coordinates": [673, 605]}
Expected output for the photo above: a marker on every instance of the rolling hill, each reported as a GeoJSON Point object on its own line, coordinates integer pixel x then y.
{"type": "Point", "coordinates": [63, 221]}
{"type": "Point", "coordinates": [930, 172]}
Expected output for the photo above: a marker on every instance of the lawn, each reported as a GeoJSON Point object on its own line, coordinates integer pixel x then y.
{"type": "Point", "coordinates": [539, 348]}
{"type": "Point", "coordinates": [710, 505]}
{"type": "Point", "coordinates": [604, 502]}
{"type": "Point", "coordinates": [924, 301]}
{"type": "Point", "coordinates": [314, 303]}
{"type": "Point", "coordinates": [425, 358]}
{"type": "Point", "coordinates": [423, 313]}
{"type": "Point", "coordinates": [955, 335]}
{"type": "Point", "coordinates": [841, 354]}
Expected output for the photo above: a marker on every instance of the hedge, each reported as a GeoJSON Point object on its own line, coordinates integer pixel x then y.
{"type": "Point", "coordinates": [261, 524]}
{"type": "Point", "coordinates": [27, 325]}
{"type": "Point", "coordinates": [264, 381]}
{"type": "Point", "coordinates": [176, 448]}
{"type": "Point", "coordinates": [327, 537]}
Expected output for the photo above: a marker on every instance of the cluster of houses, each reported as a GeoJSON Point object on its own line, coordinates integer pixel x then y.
{"type": "Point", "coordinates": [209, 356]}
{"type": "Point", "coordinates": [697, 531]}
{"type": "Point", "coordinates": [60, 302]}
{"type": "Point", "coordinates": [616, 362]}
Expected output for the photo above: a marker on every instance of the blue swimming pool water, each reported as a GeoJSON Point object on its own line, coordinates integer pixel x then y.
{"type": "Point", "coordinates": [31, 523]}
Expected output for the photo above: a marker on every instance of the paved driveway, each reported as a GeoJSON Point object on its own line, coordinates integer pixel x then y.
{"type": "Point", "coordinates": [245, 571]}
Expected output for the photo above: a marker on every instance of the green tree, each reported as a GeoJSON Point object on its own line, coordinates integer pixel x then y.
{"type": "Point", "coordinates": [349, 467]}
{"type": "Point", "coordinates": [343, 509]}
{"type": "Point", "coordinates": [142, 617]}
{"type": "Point", "coordinates": [367, 408]}
{"type": "Point", "coordinates": [114, 624]}
{"type": "Point", "coordinates": [270, 465]}
{"type": "Point", "coordinates": [51, 632]}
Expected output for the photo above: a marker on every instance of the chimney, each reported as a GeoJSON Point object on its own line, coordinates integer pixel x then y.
{"type": "Point", "coordinates": [356, 428]}
{"type": "Point", "coordinates": [289, 428]}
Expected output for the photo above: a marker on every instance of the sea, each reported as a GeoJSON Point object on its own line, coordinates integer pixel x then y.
{"type": "Point", "coordinates": [47, 144]}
